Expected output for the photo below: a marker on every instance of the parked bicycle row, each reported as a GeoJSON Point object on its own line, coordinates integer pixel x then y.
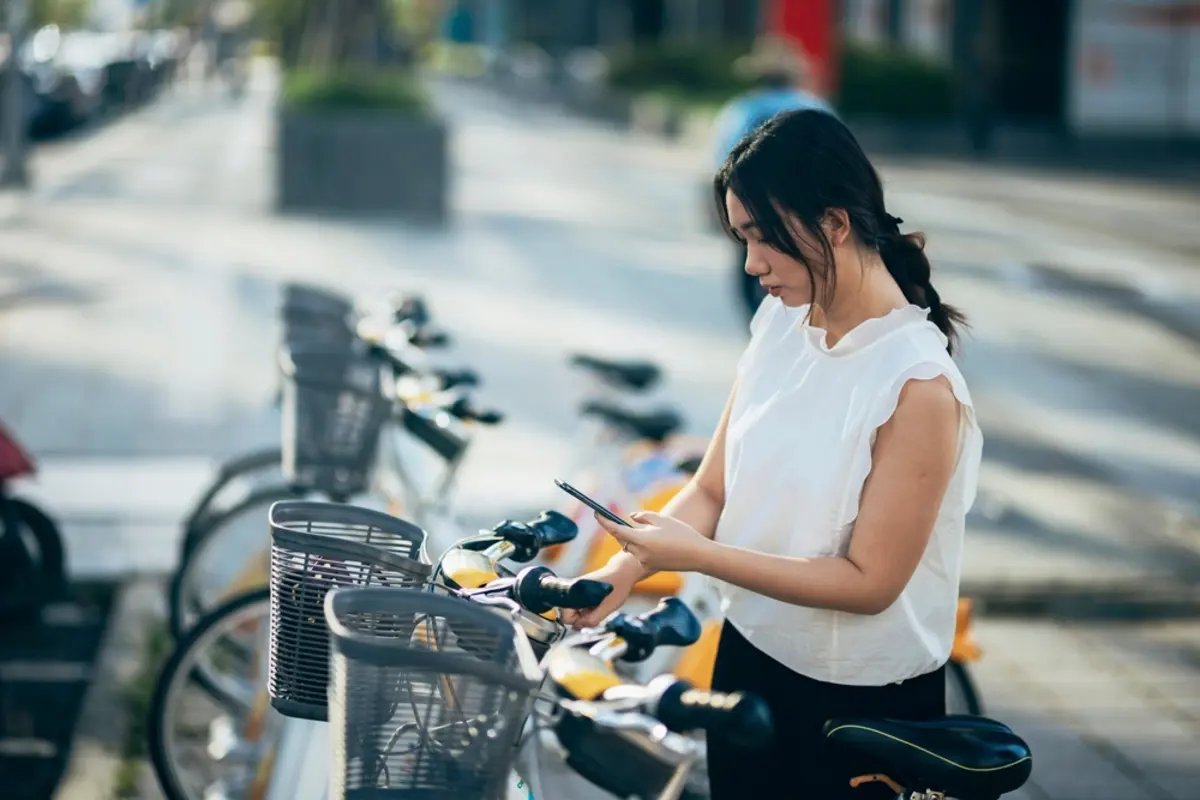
{"type": "Point", "coordinates": [454, 674]}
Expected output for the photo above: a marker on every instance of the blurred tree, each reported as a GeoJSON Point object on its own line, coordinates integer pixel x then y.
{"type": "Point", "coordinates": [331, 34]}
{"type": "Point", "coordinates": [63, 13]}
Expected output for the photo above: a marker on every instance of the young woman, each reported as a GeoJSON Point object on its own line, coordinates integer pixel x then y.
{"type": "Point", "coordinates": [831, 503]}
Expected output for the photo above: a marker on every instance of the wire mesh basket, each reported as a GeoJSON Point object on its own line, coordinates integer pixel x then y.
{"type": "Point", "coordinates": [316, 547]}
{"type": "Point", "coordinates": [310, 313]}
{"type": "Point", "coordinates": [412, 712]}
{"type": "Point", "coordinates": [334, 406]}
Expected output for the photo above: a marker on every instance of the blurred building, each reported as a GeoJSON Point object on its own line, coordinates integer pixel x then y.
{"type": "Point", "coordinates": [1126, 68]}
{"type": "Point", "coordinates": [568, 24]}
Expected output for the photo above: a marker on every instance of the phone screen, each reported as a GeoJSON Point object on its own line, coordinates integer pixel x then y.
{"type": "Point", "coordinates": [590, 503]}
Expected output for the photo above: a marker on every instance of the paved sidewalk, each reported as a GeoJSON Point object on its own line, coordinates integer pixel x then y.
{"type": "Point", "coordinates": [1111, 711]}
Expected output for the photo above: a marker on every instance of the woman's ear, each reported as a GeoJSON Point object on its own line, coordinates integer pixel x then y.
{"type": "Point", "coordinates": [836, 224]}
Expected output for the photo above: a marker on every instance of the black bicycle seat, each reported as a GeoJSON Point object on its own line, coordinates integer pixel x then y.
{"type": "Point", "coordinates": [962, 756]}
{"type": "Point", "coordinates": [635, 376]}
{"type": "Point", "coordinates": [654, 426]}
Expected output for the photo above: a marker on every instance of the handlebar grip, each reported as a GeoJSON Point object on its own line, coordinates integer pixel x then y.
{"type": "Point", "coordinates": [488, 417]}
{"type": "Point", "coordinates": [412, 309]}
{"type": "Point", "coordinates": [538, 589]}
{"type": "Point", "coordinates": [670, 623]}
{"type": "Point", "coordinates": [736, 717]}
{"type": "Point", "coordinates": [454, 378]}
{"type": "Point", "coordinates": [463, 409]}
{"type": "Point", "coordinates": [425, 338]}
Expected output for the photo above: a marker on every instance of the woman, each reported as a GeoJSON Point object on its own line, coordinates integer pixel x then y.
{"type": "Point", "coordinates": [830, 505]}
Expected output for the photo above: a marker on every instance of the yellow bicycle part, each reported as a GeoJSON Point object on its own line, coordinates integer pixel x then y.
{"type": "Point", "coordinates": [695, 664]}
{"type": "Point", "coordinates": [603, 547]}
{"type": "Point", "coordinates": [581, 674]}
{"type": "Point", "coordinates": [468, 569]}
{"type": "Point", "coordinates": [965, 648]}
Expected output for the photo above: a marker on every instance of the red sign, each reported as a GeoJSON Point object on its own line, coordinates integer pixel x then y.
{"type": "Point", "coordinates": [811, 24]}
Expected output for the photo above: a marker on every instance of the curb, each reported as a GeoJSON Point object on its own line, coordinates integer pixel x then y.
{"type": "Point", "coordinates": [1151, 598]}
{"type": "Point", "coordinates": [98, 741]}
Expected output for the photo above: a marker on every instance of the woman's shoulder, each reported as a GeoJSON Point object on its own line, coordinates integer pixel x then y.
{"type": "Point", "coordinates": [918, 351]}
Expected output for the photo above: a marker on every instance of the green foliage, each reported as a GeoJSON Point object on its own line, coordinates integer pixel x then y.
{"type": "Point", "coordinates": [875, 81]}
{"type": "Point", "coordinates": [887, 82]}
{"type": "Point", "coordinates": [66, 14]}
{"type": "Point", "coordinates": [699, 72]}
{"type": "Point", "coordinates": [382, 89]}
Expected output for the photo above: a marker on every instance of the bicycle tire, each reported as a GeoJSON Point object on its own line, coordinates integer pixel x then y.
{"type": "Point", "coordinates": [182, 611]}
{"type": "Point", "coordinates": [25, 598]}
{"type": "Point", "coordinates": [204, 509]}
{"type": "Point", "coordinates": [959, 680]}
{"type": "Point", "coordinates": [169, 678]}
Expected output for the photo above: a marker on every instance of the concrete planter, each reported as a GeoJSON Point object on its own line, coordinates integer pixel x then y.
{"type": "Point", "coordinates": [362, 162]}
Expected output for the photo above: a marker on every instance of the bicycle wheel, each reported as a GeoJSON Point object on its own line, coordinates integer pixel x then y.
{"type": "Point", "coordinates": [233, 481]}
{"type": "Point", "coordinates": [961, 694]}
{"type": "Point", "coordinates": [32, 570]}
{"type": "Point", "coordinates": [217, 563]}
{"type": "Point", "coordinates": [197, 744]}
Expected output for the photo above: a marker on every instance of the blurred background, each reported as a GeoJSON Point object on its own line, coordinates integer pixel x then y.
{"type": "Point", "coordinates": [539, 171]}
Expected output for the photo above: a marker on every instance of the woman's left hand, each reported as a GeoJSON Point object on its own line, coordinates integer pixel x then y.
{"type": "Point", "coordinates": [660, 543]}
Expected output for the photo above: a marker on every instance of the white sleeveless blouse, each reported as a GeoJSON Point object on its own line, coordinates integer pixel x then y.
{"type": "Point", "coordinates": [797, 452]}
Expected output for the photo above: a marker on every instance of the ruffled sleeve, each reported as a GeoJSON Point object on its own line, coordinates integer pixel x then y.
{"type": "Point", "coordinates": [970, 444]}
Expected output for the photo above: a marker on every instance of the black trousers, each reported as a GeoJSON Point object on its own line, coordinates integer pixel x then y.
{"type": "Point", "coordinates": [799, 763]}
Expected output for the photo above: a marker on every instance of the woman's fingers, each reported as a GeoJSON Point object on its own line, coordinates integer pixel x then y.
{"type": "Point", "coordinates": [625, 535]}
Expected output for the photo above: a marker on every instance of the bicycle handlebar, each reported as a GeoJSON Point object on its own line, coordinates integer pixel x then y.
{"type": "Point", "coordinates": [455, 378]}
{"type": "Point", "coordinates": [538, 589]}
{"type": "Point", "coordinates": [463, 408]}
{"type": "Point", "coordinates": [736, 717]}
{"type": "Point", "coordinates": [670, 623]}
{"type": "Point", "coordinates": [427, 339]}
{"type": "Point", "coordinates": [530, 538]}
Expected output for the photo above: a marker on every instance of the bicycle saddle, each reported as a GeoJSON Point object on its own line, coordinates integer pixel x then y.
{"type": "Point", "coordinates": [654, 426]}
{"type": "Point", "coordinates": [962, 756]}
{"type": "Point", "coordinates": [636, 376]}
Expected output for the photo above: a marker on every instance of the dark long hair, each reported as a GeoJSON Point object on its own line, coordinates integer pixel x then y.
{"type": "Point", "coordinates": [804, 163]}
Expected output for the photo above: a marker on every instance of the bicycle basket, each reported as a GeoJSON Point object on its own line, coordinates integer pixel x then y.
{"type": "Point", "coordinates": [333, 409]}
{"type": "Point", "coordinates": [413, 713]}
{"type": "Point", "coordinates": [309, 313]}
{"type": "Point", "coordinates": [316, 547]}
{"type": "Point", "coordinates": [316, 299]}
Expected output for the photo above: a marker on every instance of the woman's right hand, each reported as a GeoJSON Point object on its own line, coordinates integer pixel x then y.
{"type": "Point", "coordinates": [622, 572]}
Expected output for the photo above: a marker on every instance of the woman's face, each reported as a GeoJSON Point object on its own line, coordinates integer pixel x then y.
{"type": "Point", "coordinates": [783, 276]}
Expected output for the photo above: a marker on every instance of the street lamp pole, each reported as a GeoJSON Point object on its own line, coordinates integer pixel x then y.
{"type": "Point", "coordinates": [15, 174]}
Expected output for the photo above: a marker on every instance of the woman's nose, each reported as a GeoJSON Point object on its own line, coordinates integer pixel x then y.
{"type": "Point", "coordinates": [755, 267]}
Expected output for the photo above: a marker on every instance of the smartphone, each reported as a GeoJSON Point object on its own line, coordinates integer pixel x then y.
{"type": "Point", "coordinates": [590, 503]}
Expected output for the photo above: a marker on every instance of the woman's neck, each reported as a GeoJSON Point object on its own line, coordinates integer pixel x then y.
{"type": "Point", "coordinates": [874, 294]}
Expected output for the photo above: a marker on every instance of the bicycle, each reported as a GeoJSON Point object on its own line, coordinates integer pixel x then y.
{"type": "Point", "coordinates": [32, 561]}
{"type": "Point", "coordinates": [309, 313]}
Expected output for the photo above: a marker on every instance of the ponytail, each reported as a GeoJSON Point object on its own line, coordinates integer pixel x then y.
{"type": "Point", "coordinates": [904, 257]}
